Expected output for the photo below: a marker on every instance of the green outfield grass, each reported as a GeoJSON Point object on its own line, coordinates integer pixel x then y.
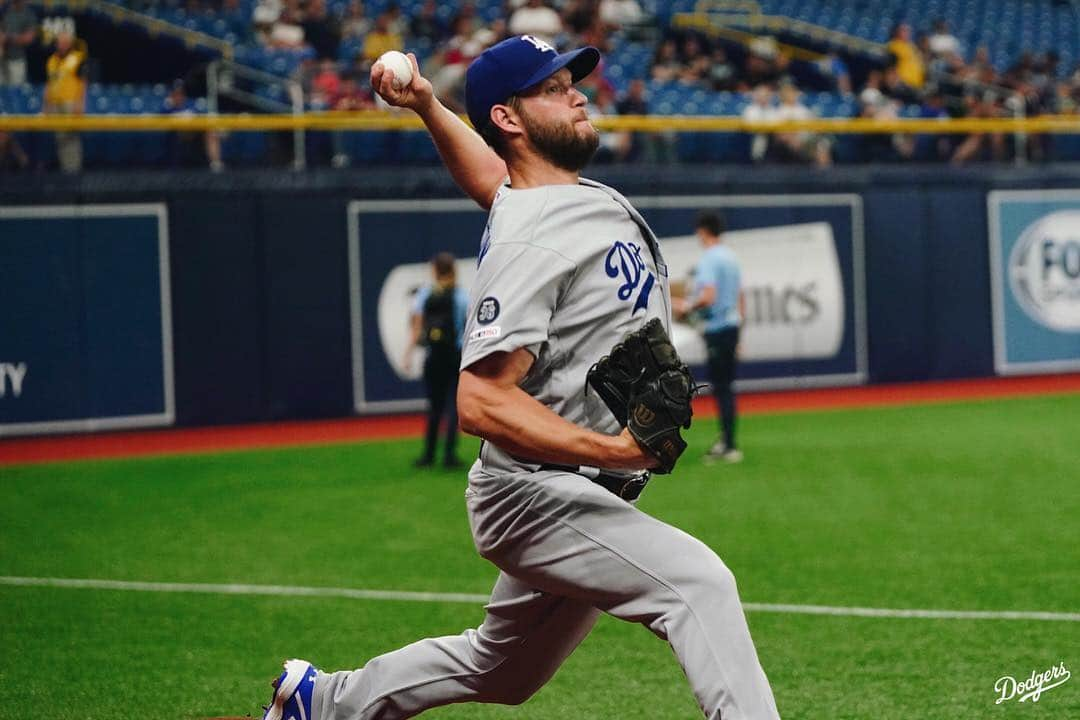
{"type": "Point", "coordinates": [970, 506]}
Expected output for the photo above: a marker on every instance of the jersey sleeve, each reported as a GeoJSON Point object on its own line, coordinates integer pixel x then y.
{"type": "Point", "coordinates": [708, 272]}
{"type": "Point", "coordinates": [421, 297]}
{"type": "Point", "coordinates": [514, 294]}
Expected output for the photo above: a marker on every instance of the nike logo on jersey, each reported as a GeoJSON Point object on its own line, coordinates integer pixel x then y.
{"type": "Point", "coordinates": [624, 261]}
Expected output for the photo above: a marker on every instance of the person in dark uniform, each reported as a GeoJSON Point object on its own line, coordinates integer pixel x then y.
{"type": "Point", "coordinates": [717, 299]}
{"type": "Point", "coordinates": [437, 323]}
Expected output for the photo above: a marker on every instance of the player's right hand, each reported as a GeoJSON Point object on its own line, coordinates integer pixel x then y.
{"type": "Point", "coordinates": [413, 96]}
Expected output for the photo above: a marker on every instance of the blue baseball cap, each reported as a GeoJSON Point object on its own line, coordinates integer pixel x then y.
{"type": "Point", "coordinates": [514, 65]}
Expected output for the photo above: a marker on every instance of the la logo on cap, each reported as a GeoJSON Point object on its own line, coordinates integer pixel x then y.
{"type": "Point", "coordinates": [537, 43]}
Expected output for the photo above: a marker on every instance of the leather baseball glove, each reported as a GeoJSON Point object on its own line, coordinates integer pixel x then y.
{"type": "Point", "coordinates": [648, 389]}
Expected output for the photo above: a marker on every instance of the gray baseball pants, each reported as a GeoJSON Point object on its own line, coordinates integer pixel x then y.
{"type": "Point", "coordinates": [568, 549]}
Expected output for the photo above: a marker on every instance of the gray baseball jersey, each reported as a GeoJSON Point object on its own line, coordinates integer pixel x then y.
{"type": "Point", "coordinates": [565, 272]}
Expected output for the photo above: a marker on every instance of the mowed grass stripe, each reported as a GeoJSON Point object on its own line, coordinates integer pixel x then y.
{"type": "Point", "coordinates": [414, 596]}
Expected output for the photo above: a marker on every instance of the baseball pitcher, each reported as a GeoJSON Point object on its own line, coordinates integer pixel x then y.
{"type": "Point", "coordinates": [568, 376]}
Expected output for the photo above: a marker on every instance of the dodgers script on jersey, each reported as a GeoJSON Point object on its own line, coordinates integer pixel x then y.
{"type": "Point", "coordinates": [565, 272]}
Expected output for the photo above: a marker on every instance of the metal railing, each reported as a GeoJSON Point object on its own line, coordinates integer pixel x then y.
{"type": "Point", "coordinates": [224, 78]}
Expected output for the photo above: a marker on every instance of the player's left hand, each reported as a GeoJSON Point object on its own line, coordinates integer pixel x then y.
{"type": "Point", "coordinates": [658, 408]}
{"type": "Point", "coordinates": [638, 458]}
{"type": "Point", "coordinates": [649, 389]}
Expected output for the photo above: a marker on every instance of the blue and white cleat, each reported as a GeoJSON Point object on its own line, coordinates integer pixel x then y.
{"type": "Point", "coordinates": [292, 692]}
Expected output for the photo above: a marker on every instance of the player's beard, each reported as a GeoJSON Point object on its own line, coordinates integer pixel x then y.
{"type": "Point", "coordinates": [560, 144]}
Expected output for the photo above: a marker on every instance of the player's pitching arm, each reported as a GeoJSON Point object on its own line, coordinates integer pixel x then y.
{"type": "Point", "coordinates": [472, 163]}
{"type": "Point", "coordinates": [493, 406]}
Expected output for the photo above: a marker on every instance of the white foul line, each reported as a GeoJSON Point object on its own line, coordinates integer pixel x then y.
{"type": "Point", "coordinates": [403, 595]}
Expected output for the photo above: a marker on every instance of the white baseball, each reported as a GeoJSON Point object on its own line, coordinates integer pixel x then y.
{"type": "Point", "coordinates": [396, 61]}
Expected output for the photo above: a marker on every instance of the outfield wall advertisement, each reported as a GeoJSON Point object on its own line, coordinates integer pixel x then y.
{"type": "Point", "coordinates": [1035, 273]}
{"type": "Point", "coordinates": [801, 258]}
{"type": "Point", "coordinates": [85, 319]}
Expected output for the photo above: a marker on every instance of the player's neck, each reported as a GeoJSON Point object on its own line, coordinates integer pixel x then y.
{"type": "Point", "coordinates": [537, 172]}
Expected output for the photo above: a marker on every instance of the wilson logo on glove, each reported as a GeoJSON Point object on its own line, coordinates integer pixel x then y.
{"type": "Point", "coordinates": [644, 416]}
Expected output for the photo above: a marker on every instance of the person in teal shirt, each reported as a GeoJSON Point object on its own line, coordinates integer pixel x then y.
{"type": "Point", "coordinates": [717, 301]}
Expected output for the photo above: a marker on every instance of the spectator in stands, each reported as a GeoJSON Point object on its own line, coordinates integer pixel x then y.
{"type": "Point", "coordinates": [722, 75]}
{"type": "Point", "coordinates": [325, 86]}
{"type": "Point", "coordinates": [666, 65]}
{"type": "Point", "coordinates": [536, 19]}
{"type": "Point", "coordinates": [1021, 70]}
{"type": "Point", "coordinates": [448, 80]}
{"type": "Point", "coordinates": [426, 24]}
{"type": "Point", "coordinates": [596, 34]}
{"type": "Point", "coordinates": [619, 14]}
{"type": "Point", "coordinates": [948, 71]}
{"type": "Point", "coordinates": [909, 61]}
{"type": "Point", "coordinates": [191, 149]}
{"type": "Point", "coordinates": [579, 15]}
{"type": "Point", "coordinates": [12, 156]}
{"type": "Point", "coordinates": [981, 146]}
{"type": "Point", "coordinates": [381, 39]}
{"type": "Point", "coordinates": [1067, 101]}
{"type": "Point", "coordinates": [760, 110]}
{"type": "Point", "coordinates": [765, 63]}
{"type": "Point", "coordinates": [1046, 72]}
{"type": "Point", "coordinates": [836, 72]}
{"type": "Point", "coordinates": [18, 29]}
{"type": "Point", "coordinates": [467, 17]}
{"type": "Point", "coordinates": [932, 148]}
{"type": "Point", "coordinates": [263, 17]}
{"type": "Point", "coordinates": [287, 33]}
{"type": "Point", "coordinates": [695, 63]}
{"type": "Point", "coordinates": [355, 24]}
{"type": "Point", "coordinates": [354, 96]}
{"type": "Point", "coordinates": [65, 94]}
{"type": "Point", "coordinates": [321, 30]}
{"type": "Point", "coordinates": [943, 42]}
{"type": "Point", "coordinates": [798, 147]}
{"type": "Point", "coordinates": [634, 103]}
{"type": "Point", "coordinates": [614, 146]}
{"type": "Point", "coordinates": [982, 69]}
{"type": "Point", "coordinates": [397, 22]}
{"type": "Point", "coordinates": [894, 87]}
{"type": "Point", "coordinates": [877, 147]}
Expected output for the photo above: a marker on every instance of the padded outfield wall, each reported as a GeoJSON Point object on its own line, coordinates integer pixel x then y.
{"type": "Point", "coordinates": [130, 300]}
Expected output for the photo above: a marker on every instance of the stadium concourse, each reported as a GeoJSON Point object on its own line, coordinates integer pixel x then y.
{"type": "Point", "coordinates": [929, 59]}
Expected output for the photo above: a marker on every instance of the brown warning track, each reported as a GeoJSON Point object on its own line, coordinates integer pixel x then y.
{"type": "Point", "coordinates": [319, 432]}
